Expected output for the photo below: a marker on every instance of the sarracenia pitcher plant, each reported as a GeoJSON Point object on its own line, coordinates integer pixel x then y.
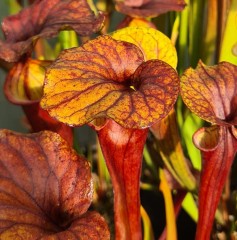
{"type": "Point", "coordinates": [128, 72]}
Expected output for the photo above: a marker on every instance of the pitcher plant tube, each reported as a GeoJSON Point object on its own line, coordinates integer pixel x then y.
{"type": "Point", "coordinates": [211, 93]}
{"type": "Point", "coordinates": [87, 83]}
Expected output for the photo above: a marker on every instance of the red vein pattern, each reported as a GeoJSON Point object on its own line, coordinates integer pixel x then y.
{"type": "Point", "coordinates": [109, 78]}
{"type": "Point", "coordinates": [45, 190]}
{"type": "Point", "coordinates": [210, 92]}
{"type": "Point", "coordinates": [24, 82]}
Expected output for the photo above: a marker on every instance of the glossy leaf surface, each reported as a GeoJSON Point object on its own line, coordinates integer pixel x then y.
{"type": "Point", "coordinates": [45, 190]}
{"type": "Point", "coordinates": [123, 151]}
{"type": "Point", "coordinates": [153, 43]}
{"type": "Point", "coordinates": [149, 8]}
{"type": "Point", "coordinates": [211, 92]}
{"type": "Point", "coordinates": [86, 83]}
{"type": "Point", "coordinates": [24, 82]}
{"type": "Point", "coordinates": [218, 148]}
{"type": "Point", "coordinates": [45, 19]}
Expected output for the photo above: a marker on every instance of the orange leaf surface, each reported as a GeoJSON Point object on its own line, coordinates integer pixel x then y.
{"type": "Point", "coordinates": [45, 19]}
{"type": "Point", "coordinates": [109, 78]}
{"type": "Point", "coordinates": [153, 43]}
{"type": "Point", "coordinates": [24, 82]}
{"type": "Point", "coordinates": [211, 92]}
{"type": "Point", "coordinates": [45, 190]}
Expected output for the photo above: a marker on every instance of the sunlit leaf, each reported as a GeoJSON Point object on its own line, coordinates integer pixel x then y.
{"type": "Point", "coordinates": [123, 150]}
{"type": "Point", "coordinates": [148, 8]}
{"type": "Point", "coordinates": [86, 83]}
{"type": "Point", "coordinates": [190, 206]}
{"type": "Point", "coordinates": [191, 124]}
{"type": "Point", "coordinates": [211, 92]}
{"type": "Point", "coordinates": [24, 82]}
{"type": "Point", "coordinates": [218, 148]}
{"type": "Point", "coordinates": [45, 190]}
{"type": "Point", "coordinates": [153, 43]}
{"type": "Point", "coordinates": [45, 19]}
{"type": "Point", "coordinates": [229, 44]}
{"type": "Point", "coordinates": [175, 30]}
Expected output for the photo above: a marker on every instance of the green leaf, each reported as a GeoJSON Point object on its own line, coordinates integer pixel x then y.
{"type": "Point", "coordinates": [229, 44]}
{"type": "Point", "coordinates": [191, 124]}
{"type": "Point", "coordinates": [190, 206]}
